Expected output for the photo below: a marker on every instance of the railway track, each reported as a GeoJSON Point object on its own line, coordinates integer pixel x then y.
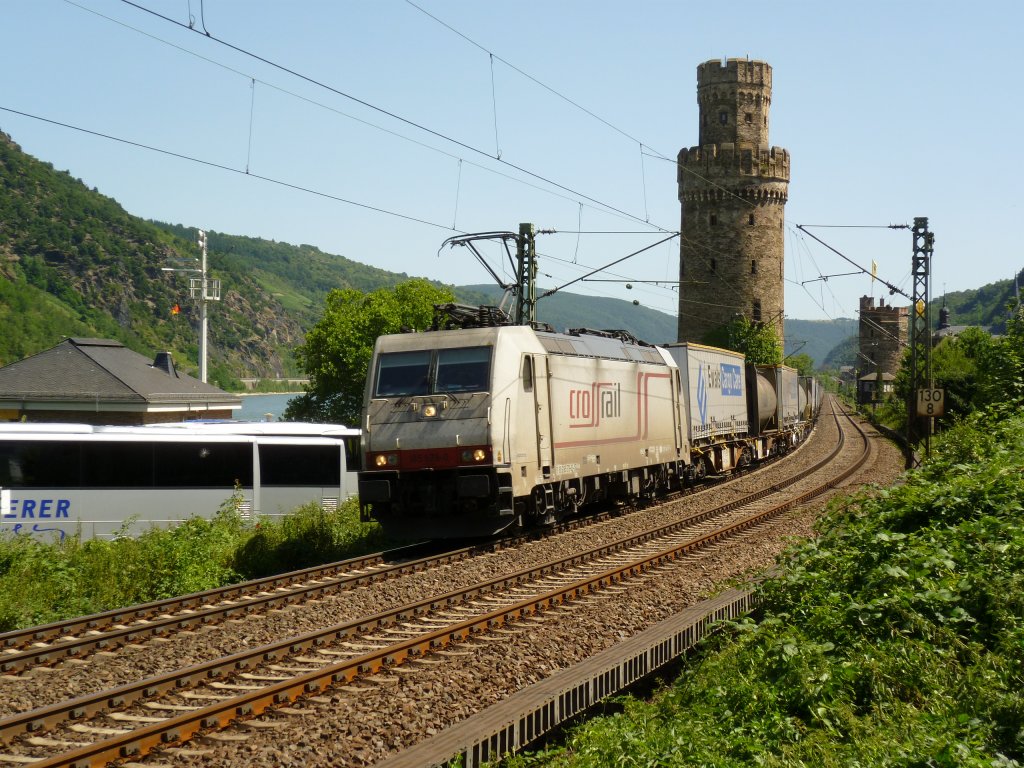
{"type": "Point", "coordinates": [164, 711]}
{"type": "Point", "coordinates": [48, 644]}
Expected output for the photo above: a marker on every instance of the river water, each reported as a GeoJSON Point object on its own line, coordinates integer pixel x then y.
{"type": "Point", "coordinates": [256, 407]}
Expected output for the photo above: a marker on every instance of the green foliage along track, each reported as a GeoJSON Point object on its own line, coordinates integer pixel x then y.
{"type": "Point", "coordinates": [896, 638]}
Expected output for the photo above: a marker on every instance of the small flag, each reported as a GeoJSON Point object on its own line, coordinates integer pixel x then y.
{"type": "Point", "coordinates": [874, 269]}
{"type": "Point", "coordinates": [175, 309]}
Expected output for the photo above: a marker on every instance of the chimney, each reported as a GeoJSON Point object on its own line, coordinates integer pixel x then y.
{"type": "Point", "coordinates": [163, 362]}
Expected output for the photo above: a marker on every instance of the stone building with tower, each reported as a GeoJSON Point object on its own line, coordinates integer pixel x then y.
{"type": "Point", "coordinates": [884, 332]}
{"type": "Point", "coordinates": [733, 188]}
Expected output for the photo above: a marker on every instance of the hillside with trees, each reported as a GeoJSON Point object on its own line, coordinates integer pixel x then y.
{"type": "Point", "coordinates": [73, 262]}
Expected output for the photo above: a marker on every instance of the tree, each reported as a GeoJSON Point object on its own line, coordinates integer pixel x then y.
{"type": "Point", "coordinates": [337, 351]}
{"type": "Point", "coordinates": [755, 340]}
{"type": "Point", "coordinates": [803, 363]}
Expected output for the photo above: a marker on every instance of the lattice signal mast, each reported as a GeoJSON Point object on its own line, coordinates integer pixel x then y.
{"type": "Point", "coordinates": [919, 427]}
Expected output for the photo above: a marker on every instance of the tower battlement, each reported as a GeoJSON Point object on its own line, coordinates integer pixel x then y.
{"type": "Point", "coordinates": [728, 159]}
{"type": "Point", "coordinates": [867, 304]}
{"type": "Point", "coordinates": [717, 71]}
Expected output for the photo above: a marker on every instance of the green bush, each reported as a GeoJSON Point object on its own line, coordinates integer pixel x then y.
{"type": "Point", "coordinates": [44, 582]}
{"type": "Point", "coordinates": [896, 638]}
{"type": "Point", "coordinates": [308, 536]}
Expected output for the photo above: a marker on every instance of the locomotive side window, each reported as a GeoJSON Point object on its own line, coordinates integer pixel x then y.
{"type": "Point", "coordinates": [400, 374]}
{"type": "Point", "coordinates": [464, 369]}
{"type": "Point", "coordinates": [528, 374]}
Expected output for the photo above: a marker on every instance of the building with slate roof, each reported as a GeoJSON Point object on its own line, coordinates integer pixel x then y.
{"type": "Point", "coordinates": [100, 381]}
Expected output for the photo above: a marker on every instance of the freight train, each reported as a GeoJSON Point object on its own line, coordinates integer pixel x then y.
{"type": "Point", "coordinates": [472, 431]}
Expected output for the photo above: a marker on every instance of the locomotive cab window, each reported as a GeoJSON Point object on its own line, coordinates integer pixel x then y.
{"type": "Point", "coordinates": [425, 372]}
{"type": "Point", "coordinates": [400, 374]}
{"type": "Point", "coordinates": [465, 369]}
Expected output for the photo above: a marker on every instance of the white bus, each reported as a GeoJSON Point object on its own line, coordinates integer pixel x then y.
{"type": "Point", "coordinates": [103, 481]}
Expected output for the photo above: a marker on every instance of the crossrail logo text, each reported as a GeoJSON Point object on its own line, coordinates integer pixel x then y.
{"type": "Point", "coordinates": [588, 407]}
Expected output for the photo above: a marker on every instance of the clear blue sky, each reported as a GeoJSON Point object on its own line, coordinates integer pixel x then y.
{"type": "Point", "coordinates": [890, 110]}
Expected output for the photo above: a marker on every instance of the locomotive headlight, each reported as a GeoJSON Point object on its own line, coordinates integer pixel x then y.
{"type": "Point", "coordinates": [430, 411]}
{"type": "Point", "coordinates": [478, 454]}
{"type": "Point", "coordinates": [385, 459]}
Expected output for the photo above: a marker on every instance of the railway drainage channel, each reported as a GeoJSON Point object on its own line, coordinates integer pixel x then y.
{"type": "Point", "coordinates": [167, 711]}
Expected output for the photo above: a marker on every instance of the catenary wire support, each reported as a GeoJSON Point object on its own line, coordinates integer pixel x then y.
{"type": "Point", "coordinates": [526, 275]}
{"type": "Point", "coordinates": [204, 289]}
{"type": "Point", "coordinates": [919, 427]}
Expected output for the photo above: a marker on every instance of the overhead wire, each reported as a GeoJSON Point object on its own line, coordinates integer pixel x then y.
{"type": "Point", "coordinates": [335, 110]}
{"type": "Point", "coordinates": [641, 144]}
{"type": "Point", "coordinates": [394, 116]}
{"type": "Point", "coordinates": [527, 75]}
{"type": "Point", "coordinates": [222, 167]}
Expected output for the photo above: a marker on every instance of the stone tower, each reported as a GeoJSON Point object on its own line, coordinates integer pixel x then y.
{"type": "Point", "coordinates": [884, 332]}
{"type": "Point", "coordinates": [733, 189]}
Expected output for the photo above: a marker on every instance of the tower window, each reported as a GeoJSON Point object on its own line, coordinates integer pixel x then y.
{"type": "Point", "coordinates": [712, 219]}
{"type": "Point", "coordinates": [723, 118]}
{"type": "Point", "coordinates": [757, 311]}
{"type": "Point", "coordinates": [748, 117]}
{"type": "Point", "coordinates": [753, 266]}
{"type": "Point", "coordinates": [750, 219]}
{"type": "Point", "coordinates": [714, 265]}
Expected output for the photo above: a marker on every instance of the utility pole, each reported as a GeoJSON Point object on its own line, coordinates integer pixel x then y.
{"type": "Point", "coordinates": [201, 290]}
{"type": "Point", "coordinates": [919, 426]}
{"type": "Point", "coordinates": [204, 290]}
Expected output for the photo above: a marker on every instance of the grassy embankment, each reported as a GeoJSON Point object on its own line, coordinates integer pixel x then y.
{"type": "Point", "coordinates": [43, 582]}
{"type": "Point", "coordinates": [894, 639]}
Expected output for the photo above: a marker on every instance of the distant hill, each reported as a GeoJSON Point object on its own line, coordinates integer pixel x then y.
{"type": "Point", "coordinates": [817, 338]}
{"type": "Point", "coordinates": [569, 310]}
{"type": "Point", "coordinates": [74, 263]}
{"type": "Point", "coordinates": [985, 306]}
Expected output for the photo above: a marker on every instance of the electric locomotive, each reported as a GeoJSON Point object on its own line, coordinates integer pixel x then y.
{"type": "Point", "coordinates": [471, 431]}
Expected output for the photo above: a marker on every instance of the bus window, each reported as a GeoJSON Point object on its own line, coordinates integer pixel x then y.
{"type": "Point", "coordinates": [353, 456]}
{"type": "Point", "coordinates": [316, 466]}
{"type": "Point", "coordinates": [202, 465]}
{"type": "Point", "coordinates": [117, 465]}
{"type": "Point", "coordinates": [39, 464]}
